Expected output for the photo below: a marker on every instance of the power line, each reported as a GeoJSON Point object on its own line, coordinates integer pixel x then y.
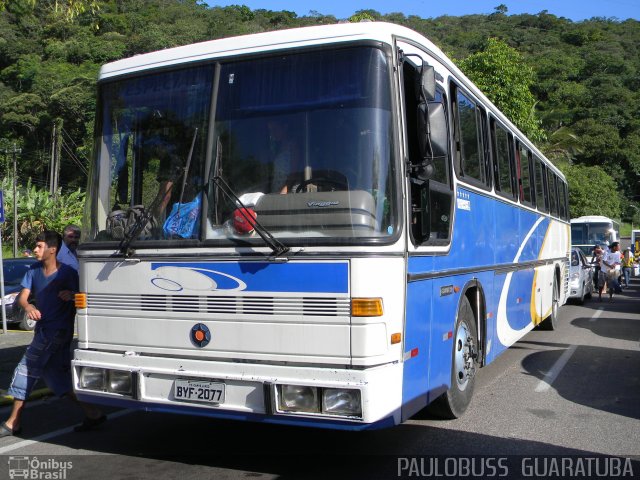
{"type": "Point", "coordinates": [75, 160]}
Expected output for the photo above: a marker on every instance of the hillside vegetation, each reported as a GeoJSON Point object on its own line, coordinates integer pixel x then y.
{"type": "Point", "coordinates": [585, 79]}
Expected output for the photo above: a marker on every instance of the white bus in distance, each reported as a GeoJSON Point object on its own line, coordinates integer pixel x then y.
{"type": "Point", "coordinates": [591, 230]}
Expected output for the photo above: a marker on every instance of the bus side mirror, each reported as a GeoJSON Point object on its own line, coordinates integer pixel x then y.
{"type": "Point", "coordinates": [427, 83]}
{"type": "Point", "coordinates": [432, 131]}
{"type": "Point", "coordinates": [438, 130]}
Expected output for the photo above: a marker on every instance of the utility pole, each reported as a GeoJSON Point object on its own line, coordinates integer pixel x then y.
{"type": "Point", "coordinates": [53, 160]}
{"type": "Point", "coordinates": [56, 149]}
{"type": "Point", "coordinates": [15, 201]}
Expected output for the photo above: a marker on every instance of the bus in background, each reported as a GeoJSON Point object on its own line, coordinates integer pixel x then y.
{"type": "Point", "coordinates": [328, 226]}
{"type": "Point", "coordinates": [635, 242]}
{"type": "Point", "coordinates": [589, 230]}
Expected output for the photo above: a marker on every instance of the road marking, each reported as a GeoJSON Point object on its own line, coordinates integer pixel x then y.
{"type": "Point", "coordinates": [55, 433]}
{"type": "Point", "coordinates": [596, 315]}
{"type": "Point", "coordinates": [555, 370]}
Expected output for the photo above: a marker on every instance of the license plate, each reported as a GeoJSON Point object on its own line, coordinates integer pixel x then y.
{"type": "Point", "coordinates": [199, 391]}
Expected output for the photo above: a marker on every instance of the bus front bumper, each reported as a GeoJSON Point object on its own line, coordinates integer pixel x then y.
{"type": "Point", "coordinates": [330, 397]}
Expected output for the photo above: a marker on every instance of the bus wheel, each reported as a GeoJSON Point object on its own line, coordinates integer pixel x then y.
{"type": "Point", "coordinates": [551, 322]}
{"type": "Point", "coordinates": [453, 403]}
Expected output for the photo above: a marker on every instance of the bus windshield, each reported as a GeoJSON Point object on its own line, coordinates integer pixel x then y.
{"type": "Point", "coordinates": [591, 233]}
{"type": "Point", "coordinates": [303, 140]}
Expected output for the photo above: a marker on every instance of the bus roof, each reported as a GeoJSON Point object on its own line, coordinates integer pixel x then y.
{"type": "Point", "coordinates": [593, 219]}
{"type": "Point", "coordinates": [264, 42]}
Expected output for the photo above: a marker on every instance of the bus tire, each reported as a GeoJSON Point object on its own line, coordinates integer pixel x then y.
{"type": "Point", "coordinates": [464, 364]}
{"type": "Point", "coordinates": [551, 322]}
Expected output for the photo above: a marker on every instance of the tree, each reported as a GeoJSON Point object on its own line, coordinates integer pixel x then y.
{"type": "Point", "coordinates": [503, 76]}
{"type": "Point", "coordinates": [562, 146]}
{"type": "Point", "coordinates": [500, 10]}
{"type": "Point", "coordinates": [592, 192]}
{"type": "Point", "coordinates": [68, 9]}
{"type": "Point", "coordinates": [22, 113]}
{"type": "Point", "coordinates": [366, 15]}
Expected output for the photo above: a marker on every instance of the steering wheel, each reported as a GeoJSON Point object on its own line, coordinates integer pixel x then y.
{"type": "Point", "coordinates": [332, 184]}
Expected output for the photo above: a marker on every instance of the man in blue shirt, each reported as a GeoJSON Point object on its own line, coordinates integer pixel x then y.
{"type": "Point", "coordinates": [49, 354]}
{"type": "Point", "coordinates": [70, 239]}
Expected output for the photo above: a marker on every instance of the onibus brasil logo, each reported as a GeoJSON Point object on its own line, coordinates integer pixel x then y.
{"type": "Point", "coordinates": [35, 468]}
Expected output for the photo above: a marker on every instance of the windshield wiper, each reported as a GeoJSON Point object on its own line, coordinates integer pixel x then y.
{"type": "Point", "coordinates": [142, 221]}
{"type": "Point", "coordinates": [274, 244]}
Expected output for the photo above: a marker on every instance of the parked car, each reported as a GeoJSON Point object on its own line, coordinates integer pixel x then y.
{"type": "Point", "coordinates": [14, 270]}
{"type": "Point", "coordinates": [580, 276]}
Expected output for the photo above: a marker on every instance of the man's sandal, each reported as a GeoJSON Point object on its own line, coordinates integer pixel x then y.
{"type": "Point", "coordinates": [7, 431]}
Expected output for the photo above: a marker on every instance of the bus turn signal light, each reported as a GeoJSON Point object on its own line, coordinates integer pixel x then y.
{"type": "Point", "coordinates": [396, 338]}
{"type": "Point", "coordinates": [366, 307]}
{"type": "Point", "coordinates": [81, 300]}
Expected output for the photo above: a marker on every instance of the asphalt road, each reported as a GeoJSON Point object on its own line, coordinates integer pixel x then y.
{"type": "Point", "coordinates": [570, 394]}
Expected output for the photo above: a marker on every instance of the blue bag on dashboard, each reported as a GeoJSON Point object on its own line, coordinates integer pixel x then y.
{"type": "Point", "coordinates": [184, 219]}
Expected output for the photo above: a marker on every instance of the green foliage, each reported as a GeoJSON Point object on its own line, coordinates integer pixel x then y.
{"type": "Point", "coordinates": [67, 9]}
{"type": "Point", "coordinates": [38, 210]}
{"type": "Point", "coordinates": [364, 15]}
{"type": "Point", "coordinates": [503, 76]}
{"type": "Point", "coordinates": [22, 112]}
{"type": "Point", "coordinates": [574, 84]}
{"type": "Point", "coordinates": [592, 192]}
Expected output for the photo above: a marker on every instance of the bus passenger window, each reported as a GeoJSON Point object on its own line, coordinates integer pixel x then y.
{"type": "Point", "coordinates": [525, 174]}
{"type": "Point", "coordinates": [553, 193]}
{"type": "Point", "coordinates": [502, 155]}
{"type": "Point", "coordinates": [470, 148]}
{"type": "Point", "coordinates": [541, 201]}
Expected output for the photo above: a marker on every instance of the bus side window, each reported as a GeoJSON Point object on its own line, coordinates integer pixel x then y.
{"type": "Point", "coordinates": [565, 189]}
{"type": "Point", "coordinates": [553, 193]}
{"type": "Point", "coordinates": [524, 183]}
{"type": "Point", "coordinates": [541, 198]}
{"type": "Point", "coordinates": [502, 147]}
{"type": "Point", "coordinates": [468, 124]}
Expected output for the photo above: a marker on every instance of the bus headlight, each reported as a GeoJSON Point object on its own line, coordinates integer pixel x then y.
{"type": "Point", "coordinates": [106, 380]}
{"type": "Point", "coordinates": [345, 402]}
{"type": "Point", "coordinates": [298, 398]}
{"type": "Point", "coordinates": [119, 382]}
{"type": "Point", "coordinates": [92, 378]}
{"type": "Point", "coordinates": [338, 401]}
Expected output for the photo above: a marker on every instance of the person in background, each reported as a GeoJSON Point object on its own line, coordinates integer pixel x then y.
{"type": "Point", "coordinates": [610, 264]}
{"type": "Point", "coordinates": [70, 240]}
{"type": "Point", "coordinates": [627, 266]}
{"type": "Point", "coordinates": [598, 275]}
{"type": "Point", "coordinates": [49, 354]}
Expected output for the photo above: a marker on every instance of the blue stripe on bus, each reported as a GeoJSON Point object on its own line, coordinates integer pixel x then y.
{"type": "Point", "coordinates": [487, 232]}
{"type": "Point", "coordinates": [292, 277]}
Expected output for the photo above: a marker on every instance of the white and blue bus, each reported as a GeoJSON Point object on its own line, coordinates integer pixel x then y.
{"type": "Point", "coordinates": [327, 226]}
{"type": "Point", "coordinates": [591, 230]}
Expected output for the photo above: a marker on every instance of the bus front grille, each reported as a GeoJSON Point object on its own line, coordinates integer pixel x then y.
{"type": "Point", "coordinates": [229, 305]}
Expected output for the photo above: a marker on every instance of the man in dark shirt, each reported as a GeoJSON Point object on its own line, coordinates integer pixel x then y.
{"type": "Point", "coordinates": [48, 356]}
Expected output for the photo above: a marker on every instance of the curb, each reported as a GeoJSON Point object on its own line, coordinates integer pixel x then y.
{"type": "Point", "coordinates": [42, 392]}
